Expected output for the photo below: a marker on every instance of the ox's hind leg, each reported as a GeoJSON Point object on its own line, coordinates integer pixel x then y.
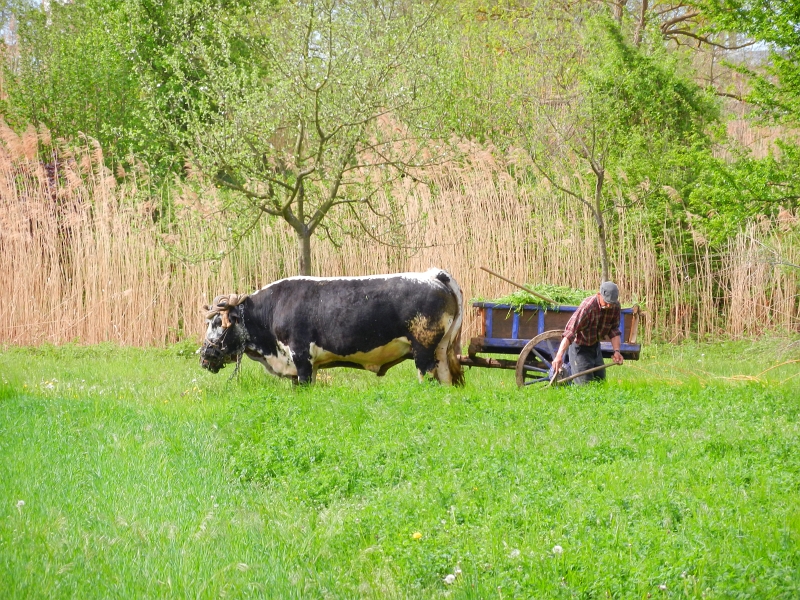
{"type": "Point", "coordinates": [424, 358]}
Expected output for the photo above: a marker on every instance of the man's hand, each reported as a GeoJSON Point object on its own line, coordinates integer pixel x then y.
{"type": "Point", "coordinates": [616, 342]}
{"type": "Point", "coordinates": [558, 360]}
{"type": "Point", "coordinates": [557, 363]}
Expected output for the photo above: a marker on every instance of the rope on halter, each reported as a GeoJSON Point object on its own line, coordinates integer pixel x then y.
{"type": "Point", "coordinates": [222, 306]}
{"type": "Point", "coordinates": [236, 370]}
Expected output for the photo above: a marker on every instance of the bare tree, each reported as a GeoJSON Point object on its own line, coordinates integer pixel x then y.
{"type": "Point", "coordinates": [331, 110]}
{"type": "Point", "coordinates": [618, 111]}
{"type": "Point", "coordinates": [579, 139]}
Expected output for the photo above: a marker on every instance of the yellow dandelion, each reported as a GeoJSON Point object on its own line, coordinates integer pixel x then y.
{"type": "Point", "coordinates": [416, 535]}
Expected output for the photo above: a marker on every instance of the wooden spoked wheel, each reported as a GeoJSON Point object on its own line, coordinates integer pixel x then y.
{"type": "Point", "coordinates": [533, 365]}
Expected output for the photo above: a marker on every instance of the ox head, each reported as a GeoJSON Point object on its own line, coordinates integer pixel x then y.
{"type": "Point", "coordinates": [225, 336]}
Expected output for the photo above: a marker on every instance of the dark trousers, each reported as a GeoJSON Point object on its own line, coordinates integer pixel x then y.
{"type": "Point", "coordinates": [582, 358]}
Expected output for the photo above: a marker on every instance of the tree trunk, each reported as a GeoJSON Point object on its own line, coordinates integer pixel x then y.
{"type": "Point", "coordinates": [640, 26]}
{"type": "Point", "coordinates": [304, 251]}
{"type": "Point", "coordinates": [601, 224]}
{"type": "Point", "coordinates": [619, 6]}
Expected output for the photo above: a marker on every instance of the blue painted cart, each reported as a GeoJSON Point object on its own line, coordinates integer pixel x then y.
{"type": "Point", "coordinates": [534, 334]}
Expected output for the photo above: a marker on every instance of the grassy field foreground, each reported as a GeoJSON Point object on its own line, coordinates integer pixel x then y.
{"type": "Point", "coordinates": [134, 474]}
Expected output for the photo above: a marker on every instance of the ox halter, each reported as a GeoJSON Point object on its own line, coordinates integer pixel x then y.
{"type": "Point", "coordinates": [222, 306]}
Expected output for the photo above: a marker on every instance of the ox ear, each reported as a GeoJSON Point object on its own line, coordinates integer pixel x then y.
{"type": "Point", "coordinates": [235, 315]}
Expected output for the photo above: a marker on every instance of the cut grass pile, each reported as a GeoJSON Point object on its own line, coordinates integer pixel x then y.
{"type": "Point", "coordinates": [561, 295]}
{"type": "Point", "coordinates": [129, 473]}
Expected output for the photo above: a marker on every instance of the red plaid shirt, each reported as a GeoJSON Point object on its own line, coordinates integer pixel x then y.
{"type": "Point", "coordinates": [591, 323]}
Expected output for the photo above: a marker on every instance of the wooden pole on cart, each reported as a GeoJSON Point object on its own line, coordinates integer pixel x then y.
{"type": "Point", "coordinates": [586, 372]}
{"type": "Point", "coordinates": [527, 289]}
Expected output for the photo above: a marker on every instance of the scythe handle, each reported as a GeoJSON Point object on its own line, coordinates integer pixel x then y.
{"type": "Point", "coordinates": [586, 372]}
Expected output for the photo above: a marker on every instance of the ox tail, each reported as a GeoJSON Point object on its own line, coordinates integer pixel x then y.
{"type": "Point", "coordinates": [450, 346]}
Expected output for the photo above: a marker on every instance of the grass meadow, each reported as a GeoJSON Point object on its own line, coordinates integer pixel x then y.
{"type": "Point", "coordinates": [130, 473]}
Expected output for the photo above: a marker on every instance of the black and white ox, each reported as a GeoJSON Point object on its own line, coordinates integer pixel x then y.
{"type": "Point", "coordinates": [298, 325]}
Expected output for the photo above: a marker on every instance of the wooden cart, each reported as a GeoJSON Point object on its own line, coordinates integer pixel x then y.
{"type": "Point", "coordinates": [534, 334]}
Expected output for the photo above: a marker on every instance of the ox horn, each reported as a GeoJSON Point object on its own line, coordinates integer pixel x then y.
{"type": "Point", "coordinates": [222, 306]}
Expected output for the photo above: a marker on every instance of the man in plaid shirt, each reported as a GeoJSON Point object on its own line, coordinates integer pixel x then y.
{"type": "Point", "coordinates": [596, 318]}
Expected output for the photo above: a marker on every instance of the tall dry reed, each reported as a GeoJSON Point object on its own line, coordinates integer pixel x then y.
{"type": "Point", "coordinates": [85, 258]}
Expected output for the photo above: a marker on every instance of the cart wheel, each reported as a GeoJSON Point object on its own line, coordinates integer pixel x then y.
{"type": "Point", "coordinates": [533, 365]}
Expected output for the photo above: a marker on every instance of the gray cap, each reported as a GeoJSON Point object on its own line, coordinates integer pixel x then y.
{"type": "Point", "coordinates": [610, 292]}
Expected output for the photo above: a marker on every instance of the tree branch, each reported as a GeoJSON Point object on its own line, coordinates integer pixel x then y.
{"type": "Point", "coordinates": [560, 187]}
{"type": "Point", "coordinates": [704, 39]}
{"type": "Point", "coordinates": [333, 192]}
{"type": "Point", "coordinates": [669, 8]}
{"type": "Point", "coordinates": [678, 19]}
{"type": "Point", "coordinates": [376, 239]}
{"type": "Point", "coordinates": [728, 95]}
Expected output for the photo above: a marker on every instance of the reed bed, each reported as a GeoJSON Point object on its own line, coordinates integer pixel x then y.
{"type": "Point", "coordinates": [87, 258]}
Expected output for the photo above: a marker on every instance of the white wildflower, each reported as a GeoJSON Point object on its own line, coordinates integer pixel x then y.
{"type": "Point", "coordinates": [449, 579]}
{"type": "Point", "coordinates": [558, 550]}
{"type": "Point", "coordinates": [663, 587]}
{"type": "Point", "coordinates": [514, 553]}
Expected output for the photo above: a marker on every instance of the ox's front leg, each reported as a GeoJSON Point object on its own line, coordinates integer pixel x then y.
{"type": "Point", "coordinates": [305, 369]}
